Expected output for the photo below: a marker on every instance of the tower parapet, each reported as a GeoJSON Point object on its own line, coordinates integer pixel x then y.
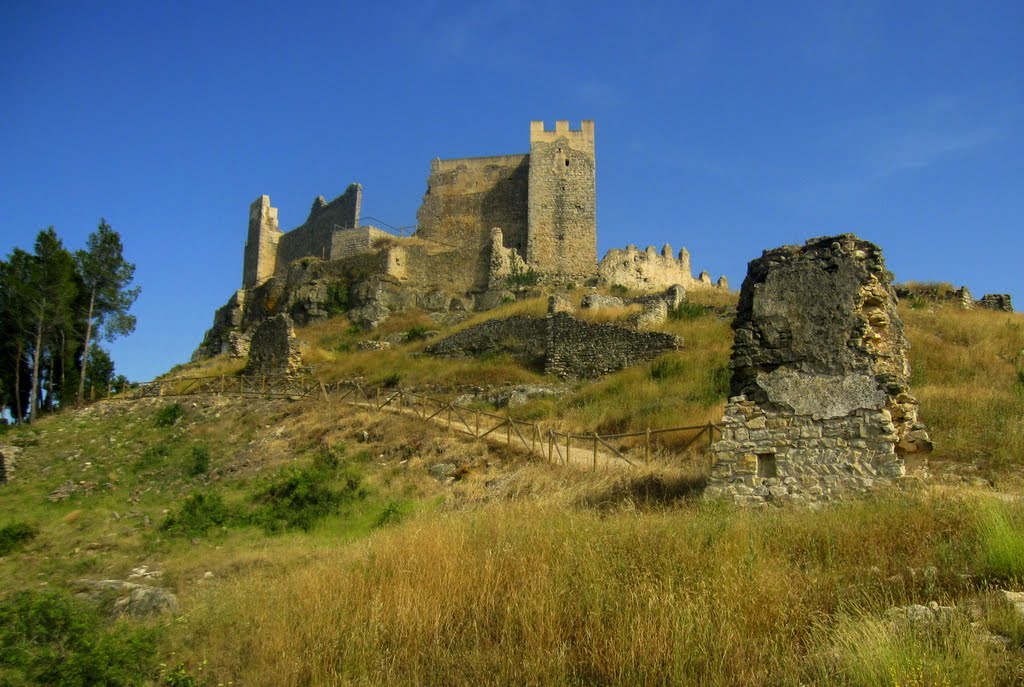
{"type": "Point", "coordinates": [562, 215]}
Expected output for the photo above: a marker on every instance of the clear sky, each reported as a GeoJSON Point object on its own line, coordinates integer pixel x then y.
{"type": "Point", "coordinates": [727, 127]}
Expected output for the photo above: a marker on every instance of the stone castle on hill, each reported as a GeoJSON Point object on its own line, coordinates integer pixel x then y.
{"type": "Point", "coordinates": [488, 228]}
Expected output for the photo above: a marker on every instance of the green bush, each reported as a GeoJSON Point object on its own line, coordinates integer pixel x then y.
{"type": "Point", "coordinates": [50, 638]}
{"type": "Point", "coordinates": [295, 498]}
{"type": "Point", "coordinates": [197, 515]}
{"type": "Point", "coordinates": [15, 535]}
{"type": "Point", "coordinates": [152, 457]}
{"type": "Point", "coordinates": [618, 290]}
{"type": "Point", "coordinates": [337, 298]}
{"type": "Point", "coordinates": [200, 461]}
{"type": "Point", "coordinates": [687, 311]}
{"type": "Point", "coordinates": [417, 333]}
{"type": "Point", "coordinates": [518, 277]}
{"type": "Point", "coordinates": [168, 416]}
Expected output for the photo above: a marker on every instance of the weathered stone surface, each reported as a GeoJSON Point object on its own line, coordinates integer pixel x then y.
{"type": "Point", "coordinates": [127, 598]}
{"type": "Point", "coordinates": [820, 392]}
{"type": "Point", "coordinates": [274, 349]}
{"type": "Point", "coordinates": [649, 270]}
{"type": "Point", "coordinates": [599, 301]}
{"type": "Point", "coordinates": [8, 462]}
{"type": "Point", "coordinates": [996, 301]}
{"type": "Point", "coordinates": [565, 346]}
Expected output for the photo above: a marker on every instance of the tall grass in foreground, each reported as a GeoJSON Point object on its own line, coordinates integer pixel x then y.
{"type": "Point", "coordinates": [529, 594]}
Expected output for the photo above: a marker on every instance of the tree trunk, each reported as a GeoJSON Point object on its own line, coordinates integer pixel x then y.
{"type": "Point", "coordinates": [33, 404]}
{"type": "Point", "coordinates": [17, 381]}
{"type": "Point", "coordinates": [85, 352]}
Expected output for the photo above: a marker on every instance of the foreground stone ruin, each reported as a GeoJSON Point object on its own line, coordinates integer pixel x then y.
{"type": "Point", "coordinates": [274, 350]}
{"type": "Point", "coordinates": [820, 402]}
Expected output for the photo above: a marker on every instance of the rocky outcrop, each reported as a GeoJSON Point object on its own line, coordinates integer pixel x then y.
{"type": "Point", "coordinates": [996, 301]}
{"type": "Point", "coordinates": [820, 401]}
{"type": "Point", "coordinates": [127, 598]}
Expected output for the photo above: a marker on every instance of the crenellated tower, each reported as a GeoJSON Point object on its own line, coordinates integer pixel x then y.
{"type": "Point", "coordinates": [562, 214]}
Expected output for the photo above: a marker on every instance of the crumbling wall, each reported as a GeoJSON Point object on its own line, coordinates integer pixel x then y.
{"type": "Point", "coordinates": [581, 349]}
{"type": "Point", "coordinates": [315, 237]}
{"type": "Point", "coordinates": [996, 301]}
{"type": "Point", "coordinates": [260, 257]}
{"type": "Point", "coordinates": [563, 345]}
{"type": "Point", "coordinates": [274, 350]}
{"type": "Point", "coordinates": [522, 337]}
{"type": "Point", "coordinates": [562, 233]}
{"type": "Point", "coordinates": [466, 198]}
{"type": "Point", "coordinates": [649, 270]}
{"type": "Point", "coordinates": [820, 402]}
{"type": "Point", "coordinates": [8, 463]}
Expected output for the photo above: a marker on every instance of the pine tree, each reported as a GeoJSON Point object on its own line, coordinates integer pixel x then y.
{"type": "Point", "coordinates": [106, 277]}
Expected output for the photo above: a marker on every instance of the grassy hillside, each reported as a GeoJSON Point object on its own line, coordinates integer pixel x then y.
{"type": "Point", "coordinates": [311, 543]}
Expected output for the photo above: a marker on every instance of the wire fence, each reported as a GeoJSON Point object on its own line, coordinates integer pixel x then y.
{"type": "Point", "coordinates": [540, 438]}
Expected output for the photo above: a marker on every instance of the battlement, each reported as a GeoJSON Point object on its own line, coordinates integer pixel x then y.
{"type": "Point", "coordinates": [583, 135]}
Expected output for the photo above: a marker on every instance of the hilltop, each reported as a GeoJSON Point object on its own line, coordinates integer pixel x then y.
{"type": "Point", "coordinates": [311, 541]}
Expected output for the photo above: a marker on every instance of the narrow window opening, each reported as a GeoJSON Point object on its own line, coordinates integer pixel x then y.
{"type": "Point", "coordinates": [566, 162]}
{"type": "Point", "coordinates": [766, 465]}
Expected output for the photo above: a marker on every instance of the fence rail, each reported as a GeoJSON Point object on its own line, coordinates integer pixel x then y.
{"type": "Point", "coordinates": [556, 446]}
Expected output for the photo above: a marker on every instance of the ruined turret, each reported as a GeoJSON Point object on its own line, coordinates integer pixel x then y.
{"type": "Point", "coordinates": [820, 401]}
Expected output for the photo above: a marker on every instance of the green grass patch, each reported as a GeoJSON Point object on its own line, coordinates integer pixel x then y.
{"type": "Point", "coordinates": [15, 535]}
{"type": "Point", "coordinates": [1000, 543]}
{"type": "Point", "coordinates": [168, 416]}
{"type": "Point", "coordinates": [50, 638]}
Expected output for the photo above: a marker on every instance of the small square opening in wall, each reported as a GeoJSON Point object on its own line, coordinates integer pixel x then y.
{"type": "Point", "coordinates": [766, 465]}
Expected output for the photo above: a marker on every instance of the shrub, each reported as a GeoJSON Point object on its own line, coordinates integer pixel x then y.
{"type": "Point", "coordinates": [619, 290]}
{"type": "Point", "coordinates": [417, 333]}
{"type": "Point", "coordinates": [393, 513]}
{"type": "Point", "coordinates": [15, 535]}
{"type": "Point", "coordinates": [197, 515]}
{"type": "Point", "coordinates": [518, 277]}
{"type": "Point", "coordinates": [168, 416]}
{"type": "Point", "coordinates": [687, 311]}
{"type": "Point", "coordinates": [297, 498]}
{"type": "Point", "coordinates": [337, 298]}
{"type": "Point", "coordinates": [152, 457]}
{"type": "Point", "coordinates": [50, 638]}
{"type": "Point", "coordinates": [200, 462]}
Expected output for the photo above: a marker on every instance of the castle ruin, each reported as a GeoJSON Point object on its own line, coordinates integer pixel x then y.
{"type": "Point", "coordinates": [487, 227]}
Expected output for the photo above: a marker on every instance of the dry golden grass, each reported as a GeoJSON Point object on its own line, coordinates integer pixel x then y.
{"type": "Point", "coordinates": [968, 374]}
{"type": "Point", "coordinates": [536, 594]}
{"type": "Point", "coordinates": [609, 314]}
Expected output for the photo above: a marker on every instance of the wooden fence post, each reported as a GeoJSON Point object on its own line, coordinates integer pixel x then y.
{"type": "Point", "coordinates": [508, 430]}
{"type": "Point", "coordinates": [595, 452]}
{"type": "Point", "coordinates": [551, 446]}
{"type": "Point", "coordinates": [477, 423]}
{"type": "Point", "coordinates": [647, 447]}
{"type": "Point", "coordinates": [376, 404]}
{"type": "Point", "coordinates": [568, 447]}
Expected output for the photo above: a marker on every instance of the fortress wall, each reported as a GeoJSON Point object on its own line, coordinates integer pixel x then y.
{"type": "Point", "coordinates": [314, 238]}
{"type": "Point", "coordinates": [260, 257]}
{"type": "Point", "coordinates": [444, 268]}
{"type": "Point", "coordinates": [348, 242]}
{"type": "Point", "coordinates": [562, 200]}
{"type": "Point", "coordinates": [468, 197]}
{"type": "Point", "coordinates": [580, 349]}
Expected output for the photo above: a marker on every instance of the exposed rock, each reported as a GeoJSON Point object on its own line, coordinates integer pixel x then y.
{"type": "Point", "coordinates": [442, 471]}
{"type": "Point", "coordinates": [374, 345]}
{"type": "Point", "coordinates": [820, 396]}
{"type": "Point", "coordinates": [8, 462]}
{"type": "Point", "coordinates": [127, 598]}
{"type": "Point", "coordinates": [599, 301]}
{"type": "Point", "coordinates": [274, 349]}
{"type": "Point", "coordinates": [917, 615]}
{"type": "Point", "coordinates": [560, 303]}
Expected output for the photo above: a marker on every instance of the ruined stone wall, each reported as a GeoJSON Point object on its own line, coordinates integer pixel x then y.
{"type": "Point", "coordinates": [348, 242]}
{"type": "Point", "coordinates": [820, 402]}
{"type": "Point", "coordinates": [562, 230]}
{"type": "Point", "coordinates": [520, 336]}
{"type": "Point", "coordinates": [466, 198]}
{"type": "Point", "coordinates": [581, 349]}
{"type": "Point", "coordinates": [274, 349]}
{"type": "Point", "coordinates": [315, 237]}
{"type": "Point", "coordinates": [260, 258]}
{"type": "Point", "coordinates": [565, 346]}
{"type": "Point", "coordinates": [649, 270]}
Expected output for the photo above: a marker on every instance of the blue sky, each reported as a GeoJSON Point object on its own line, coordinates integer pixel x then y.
{"type": "Point", "coordinates": [727, 127]}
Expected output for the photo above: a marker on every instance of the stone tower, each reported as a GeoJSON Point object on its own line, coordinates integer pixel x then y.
{"type": "Point", "coordinates": [562, 215]}
{"type": "Point", "coordinates": [261, 245]}
{"type": "Point", "coordinates": [820, 401]}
